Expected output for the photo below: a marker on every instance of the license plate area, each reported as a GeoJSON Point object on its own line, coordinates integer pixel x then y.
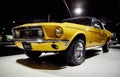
{"type": "Point", "coordinates": [27, 46]}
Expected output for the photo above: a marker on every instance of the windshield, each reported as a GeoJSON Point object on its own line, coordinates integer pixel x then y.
{"type": "Point", "coordinates": [83, 21]}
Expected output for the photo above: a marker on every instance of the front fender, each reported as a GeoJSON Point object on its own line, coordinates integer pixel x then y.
{"type": "Point", "coordinates": [70, 33]}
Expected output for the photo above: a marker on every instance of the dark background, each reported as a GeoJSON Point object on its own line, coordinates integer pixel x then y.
{"type": "Point", "coordinates": [25, 11]}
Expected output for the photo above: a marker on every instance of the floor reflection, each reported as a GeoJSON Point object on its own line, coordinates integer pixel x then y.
{"type": "Point", "coordinates": [49, 62]}
{"type": "Point", "coordinates": [52, 62]}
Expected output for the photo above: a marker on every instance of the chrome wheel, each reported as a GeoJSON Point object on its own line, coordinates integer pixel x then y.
{"type": "Point", "coordinates": [78, 51]}
{"type": "Point", "coordinates": [75, 55]}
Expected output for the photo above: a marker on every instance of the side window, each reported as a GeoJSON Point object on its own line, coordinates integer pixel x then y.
{"type": "Point", "coordinates": [96, 24]}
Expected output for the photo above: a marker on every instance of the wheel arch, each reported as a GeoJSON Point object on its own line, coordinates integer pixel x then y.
{"type": "Point", "coordinates": [80, 36]}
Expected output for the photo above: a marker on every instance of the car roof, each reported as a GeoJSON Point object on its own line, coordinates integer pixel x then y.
{"type": "Point", "coordinates": [74, 18]}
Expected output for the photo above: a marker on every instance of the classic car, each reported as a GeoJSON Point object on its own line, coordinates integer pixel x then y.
{"type": "Point", "coordinates": [71, 37]}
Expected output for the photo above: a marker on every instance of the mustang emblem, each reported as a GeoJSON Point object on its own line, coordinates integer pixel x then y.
{"type": "Point", "coordinates": [28, 33]}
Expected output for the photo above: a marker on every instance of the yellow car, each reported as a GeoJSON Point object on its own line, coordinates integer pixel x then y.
{"type": "Point", "coordinates": [70, 37]}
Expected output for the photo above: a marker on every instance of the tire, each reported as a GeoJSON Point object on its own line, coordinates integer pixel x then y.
{"type": "Point", "coordinates": [33, 54]}
{"type": "Point", "coordinates": [106, 47]}
{"type": "Point", "coordinates": [75, 55]}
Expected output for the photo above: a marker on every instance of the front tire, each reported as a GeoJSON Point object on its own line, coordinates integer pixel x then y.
{"type": "Point", "coordinates": [33, 54]}
{"type": "Point", "coordinates": [76, 52]}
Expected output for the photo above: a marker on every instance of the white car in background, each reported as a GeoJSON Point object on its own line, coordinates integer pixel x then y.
{"type": "Point", "coordinates": [0, 38]}
{"type": "Point", "coordinates": [6, 37]}
{"type": "Point", "coordinates": [6, 40]}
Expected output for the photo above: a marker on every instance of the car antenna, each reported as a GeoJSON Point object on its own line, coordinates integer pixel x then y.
{"type": "Point", "coordinates": [48, 17]}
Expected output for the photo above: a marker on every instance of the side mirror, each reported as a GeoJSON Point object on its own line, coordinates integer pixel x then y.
{"type": "Point", "coordinates": [96, 26]}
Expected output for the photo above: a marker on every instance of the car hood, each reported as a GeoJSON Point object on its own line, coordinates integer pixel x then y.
{"type": "Point", "coordinates": [38, 24]}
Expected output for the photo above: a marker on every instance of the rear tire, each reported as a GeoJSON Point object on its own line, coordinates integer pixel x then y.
{"type": "Point", "coordinates": [75, 55]}
{"type": "Point", "coordinates": [106, 47]}
{"type": "Point", "coordinates": [33, 54]}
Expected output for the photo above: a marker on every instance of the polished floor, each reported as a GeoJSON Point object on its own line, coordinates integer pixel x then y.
{"type": "Point", "coordinates": [97, 64]}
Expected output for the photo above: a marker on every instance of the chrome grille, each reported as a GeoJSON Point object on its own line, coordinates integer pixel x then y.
{"type": "Point", "coordinates": [28, 32]}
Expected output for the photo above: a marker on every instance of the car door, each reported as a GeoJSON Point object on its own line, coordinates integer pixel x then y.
{"type": "Point", "coordinates": [98, 32]}
{"type": "Point", "coordinates": [89, 34]}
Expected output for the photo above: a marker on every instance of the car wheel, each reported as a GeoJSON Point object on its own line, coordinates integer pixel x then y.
{"type": "Point", "coordinates": [106, 47]}
{"type": "Point", "coordinates": [76, 52]}
{"type": "Point", "coordinates": [32, 54]}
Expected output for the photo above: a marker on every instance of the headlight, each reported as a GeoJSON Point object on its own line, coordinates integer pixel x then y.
{"type": "Point", "coordinates": [17, 33]}
{"type": "Point", "coordinates": [59, 31]}
{"type": "Point", "coordinates": [40, 32]}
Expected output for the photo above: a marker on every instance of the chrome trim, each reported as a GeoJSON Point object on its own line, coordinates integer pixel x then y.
{"type": "Point", "coordinates": [40, 40]}
{"type": "Point", "coordinates": [88, 48]}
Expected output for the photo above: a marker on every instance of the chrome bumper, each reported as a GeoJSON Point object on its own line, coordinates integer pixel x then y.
{"type": "Point", "coordinates": [40, 40]}
{"type": "Point", "coordinates": [42, 44]}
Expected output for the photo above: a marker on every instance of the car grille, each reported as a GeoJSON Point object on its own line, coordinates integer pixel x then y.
{"type": "Point", "coordinates": [28, 32]}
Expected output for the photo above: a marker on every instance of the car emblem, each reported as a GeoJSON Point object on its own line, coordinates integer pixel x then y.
{"type": "Point", "coordinates": [28, 33]}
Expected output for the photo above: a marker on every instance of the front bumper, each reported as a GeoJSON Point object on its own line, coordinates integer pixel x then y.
{"type": "Point", "coordinates": [42, 44]}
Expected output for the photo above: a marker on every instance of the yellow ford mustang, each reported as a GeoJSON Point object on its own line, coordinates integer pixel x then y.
{"type": "Point", "coordinates": [71, 37]}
